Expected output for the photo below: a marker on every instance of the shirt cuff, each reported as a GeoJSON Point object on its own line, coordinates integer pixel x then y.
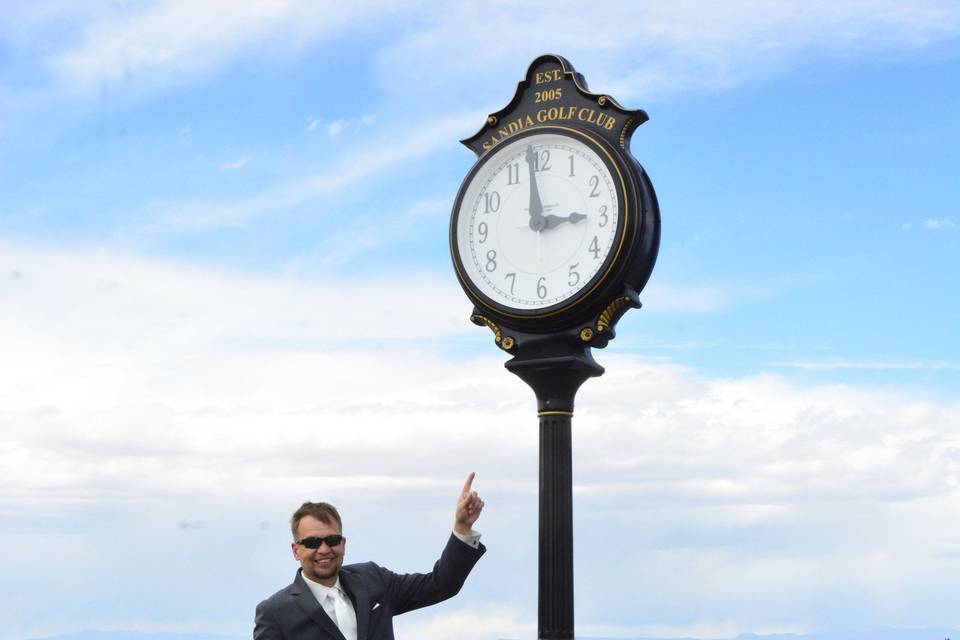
{"type": "Point", "coordinates": [472, 539]}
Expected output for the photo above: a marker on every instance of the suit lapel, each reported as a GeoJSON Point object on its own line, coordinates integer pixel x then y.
{"type": "Point", "coordinates": [304, 598]}
{"type": "Point", "coordinates": [361, 602]}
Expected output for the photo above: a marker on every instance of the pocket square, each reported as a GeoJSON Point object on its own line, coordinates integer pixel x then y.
{"type": "Point", "coordinates": [375, 606]}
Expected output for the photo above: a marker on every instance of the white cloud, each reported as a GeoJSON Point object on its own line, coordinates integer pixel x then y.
{"type": "Point", "coordinates": [334, 128]}
{"type": "Point", "coordinates": [681, 45]}
{"type": "Point", "coordinates": [165, 394]}
{"type": "Point", "coordinates": [235, 164]}
{"type": "Point", "coordinates": [170, 40]}
{"type": "Point", "coordinates": [689, 299]}
{"type": "Point", "coordinates": [367, 233]}
{"type": "Point", "coordinates": [867, 365]}
{"type": "Point", "coordinates": [375, 157]}
{"type": "Point", "coordinates": [671, 297]}
{"type": "Point", "coordinates": [97, 332]}
{"type": "Point", "coordinates": [939, 224]}
{"type": "Point", "coordinates": [474, 623]}
{"type": "Point", "coordinates": [110, 303]}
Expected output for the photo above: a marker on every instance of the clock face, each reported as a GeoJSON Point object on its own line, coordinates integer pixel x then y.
{"type": "Point", "coordinates": [538, 219]}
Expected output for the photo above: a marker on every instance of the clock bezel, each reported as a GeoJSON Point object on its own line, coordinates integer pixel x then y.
{"type": "Point", "coordinates": [614, 262]}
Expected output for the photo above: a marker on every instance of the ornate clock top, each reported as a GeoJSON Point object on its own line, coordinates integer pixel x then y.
{"type": "Point", "coordinates": [554, 93]}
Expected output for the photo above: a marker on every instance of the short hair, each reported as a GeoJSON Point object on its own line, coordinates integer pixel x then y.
{"type": "Point", "coordinates": [322, 511]}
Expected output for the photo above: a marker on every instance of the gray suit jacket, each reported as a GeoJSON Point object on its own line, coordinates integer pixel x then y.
{"type": "Point", "coordinates": [378, 594]}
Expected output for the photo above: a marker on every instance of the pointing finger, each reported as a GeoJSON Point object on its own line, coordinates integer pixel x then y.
{"type": "Point", "coordinates": [466, 486]}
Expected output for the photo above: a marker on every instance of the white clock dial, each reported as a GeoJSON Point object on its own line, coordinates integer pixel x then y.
{"type": "Point", "coordinates": [538, 220]}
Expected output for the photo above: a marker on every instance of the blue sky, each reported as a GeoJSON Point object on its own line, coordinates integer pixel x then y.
{"type": "Point", "coordinates": [226, 288]}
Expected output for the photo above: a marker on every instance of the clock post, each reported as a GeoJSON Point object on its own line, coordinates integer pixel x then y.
{"type": "Point", "coordinates": [553, 235]}
{"type": "Point", "coordinates": [555, 371]}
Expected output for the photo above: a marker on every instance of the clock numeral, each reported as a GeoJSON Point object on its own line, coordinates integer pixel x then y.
{"type": "Point", "coordinates": [604, 219]}
{"type": "Point", "coordinates": [482, 230]}
{"type": "Point", "coordinates": [571, 165]}
{"type": "Point", "coordinates": [541, 161]}
{"type": "Point", "coordinates": [574, 276]}
{"type": "Point", "coordinates": [594, 183]}
{"type": "Point", "coordinates": [492, 260]}
{"type": "Point", "coordinates": [595, 248]}
{"type": "Point", "coordinates": [541, 288]}
{"type": "Point", "coordinates": [492, 201]}
{"type": "Point", "coordinates": [513, 173]}
{"type": "Point", "coordinates": [513, 280]}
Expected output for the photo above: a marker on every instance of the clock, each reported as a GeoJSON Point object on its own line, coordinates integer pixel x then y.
{"type": "Point", "coordinates": [538, 222]}
{"type": "Point", "coordinates": [556, 226]}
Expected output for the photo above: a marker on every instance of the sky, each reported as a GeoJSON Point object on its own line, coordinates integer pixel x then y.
{"type": "Point", "coordinates": [225, 288]}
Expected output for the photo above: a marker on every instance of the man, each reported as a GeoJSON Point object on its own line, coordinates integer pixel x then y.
{"type": "Point", "coordinates": [330, 601]}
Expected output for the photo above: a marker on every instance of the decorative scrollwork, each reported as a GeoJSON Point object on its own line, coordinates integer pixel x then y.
{"type": "Point", "coordinates": [623, 132]}
{"type": "Point", "coordinates": [606, 319]}
{"type": "Point", "coordinates": [477, 319]}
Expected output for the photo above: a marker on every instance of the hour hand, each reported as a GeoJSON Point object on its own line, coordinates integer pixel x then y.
{"type": "Point", "coordinates": [552, 220]}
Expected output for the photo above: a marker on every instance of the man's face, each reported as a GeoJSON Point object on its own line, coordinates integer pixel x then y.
{"type": "Point", "coordinates": [323, 563]}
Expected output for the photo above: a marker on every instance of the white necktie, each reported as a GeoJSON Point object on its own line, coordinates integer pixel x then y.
{"type": "Point", "coordinates": [330, 606]}
{"type": "Point", "coordinates": [341, 613]}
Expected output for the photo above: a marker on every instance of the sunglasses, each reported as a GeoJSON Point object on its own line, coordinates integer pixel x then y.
{"type": "Point", "coordinates": [314, 542]}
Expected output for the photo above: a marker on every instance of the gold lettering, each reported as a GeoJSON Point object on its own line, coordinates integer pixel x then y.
{"type": "Point", "coordinates": [542, 115]}
{"type": "Point", "coordinates": [550, 75]}
{"type": "Point", "coordinates": [570, 111]}
{"type": "Point", "coordinates": [553, 113]}
{"type": "Point", "coordinates": [610, 122]}
{"type": "Point", "coordinates": [509, 129]}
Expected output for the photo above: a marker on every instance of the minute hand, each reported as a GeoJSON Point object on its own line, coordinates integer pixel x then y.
{"type": "Point", "coordinates": [536, 206]}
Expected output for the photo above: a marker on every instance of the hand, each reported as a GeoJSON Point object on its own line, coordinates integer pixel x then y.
{"type": "Point", "coordinates": [552, 220]}
{"type": "Point", "coordinates": [536, 206]}
{"type": "Point", "coordinates": [469, 507]}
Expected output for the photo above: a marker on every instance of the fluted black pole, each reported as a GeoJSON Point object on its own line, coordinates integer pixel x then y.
{"type": "Point", "coordinates": [555, 368]}
{"type": "Point", "coordinates": [555, 594]}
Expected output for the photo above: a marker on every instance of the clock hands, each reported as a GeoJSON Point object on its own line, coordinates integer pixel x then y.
{"type": "Point", "coordinates": [537, 221]}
